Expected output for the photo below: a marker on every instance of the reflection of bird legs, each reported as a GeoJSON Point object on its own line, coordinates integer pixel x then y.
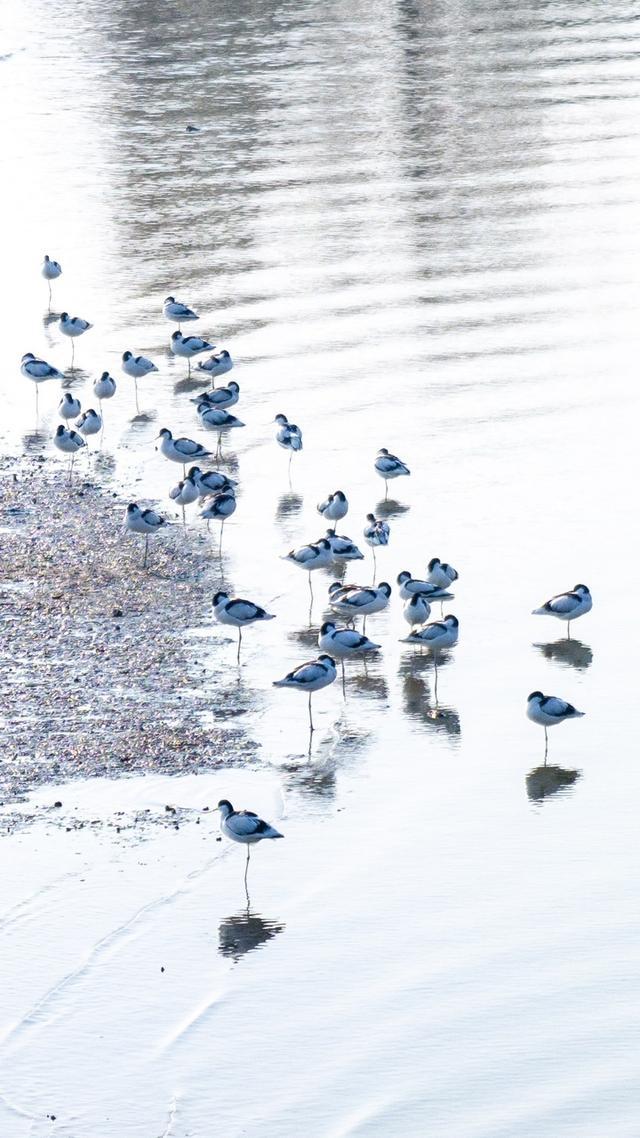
{"type": "Point", "coordinates": [435, 682]}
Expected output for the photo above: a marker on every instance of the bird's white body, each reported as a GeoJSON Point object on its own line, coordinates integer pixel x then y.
{"type": "Point", "coordinates": [68, 441]}
{"type": "Point", "coordinates": [217, 365]}
{"type": "Point", "coordinates": [335, 506]}
{"type": "Point", "coordinates": [310, 677]}
{"type": "Point", "coordinates": [243, 826]}
{"type": "Point", "coordinates": [549, 710]}
{"type": "Point", "coordinates": [376, 532]}
{"type": "Point", "coordinates": [409, 586]}
{"type": "Point", "coordinates": [343, 548]}
{"type": "Point", "coordinates": [344, 643]}
{"type": "Point", "coordinates": [219, 507]}
{"type": "Point", "coordinates": [210, 481]}
{"type": "Point", "coordinates": [567, 606]}
{"type": "Point", "coordinates": [417, 610]}
{"type": "Point", "coordinates": [38, 370]}
{"type": "Point", "coordinates": [316, 555]}
{"type": "Point", "coordinates": [389, 466]}
{"type": "Point", "coordinates": [220, 398]}
{"type": "Point", "coordinates": [105, 387]}
{"type": "Point", "coordinates": [436, 636]}
{"type": "Point", "coordinates": [50, 270]}
{"type": "Point", "coordinates": [288, 435]}
{"type": "Point", "coordinates": [73, 325]}
{"type": "Point", "coordinates": [358, 600]}
{"type": "Point", "coordinates": [215, 419]}
{"type": "Point", "coordinates": [177, 312]}
{"type": "Point", "coordinates": [185, 492]}
{"type": "Point", "coordinates": [237, 612]}
{"type": "Point", "coordinates": [189, 346]}
{"type": "Point", "coordinates": [89, 423]}
{"type": "Point", "coordinates": [440, 574]}
{"type": "Point", "coordinates": [142, 521]}
{"type": "Point", "coordinates": [137, 366]}
{"type": "Point", "coordinates": [69, 407]}
{"type": "Point", "coordinates": [181, 450]}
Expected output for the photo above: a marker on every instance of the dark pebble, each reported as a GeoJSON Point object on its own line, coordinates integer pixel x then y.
{"type": "Point", "coordinates": [57, 803]}
{"type": "Point", "coordinates": [117, 612]}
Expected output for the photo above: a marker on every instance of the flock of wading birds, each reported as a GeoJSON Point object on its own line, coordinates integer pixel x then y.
{"type": "Point", "coordinates": [215, 492]}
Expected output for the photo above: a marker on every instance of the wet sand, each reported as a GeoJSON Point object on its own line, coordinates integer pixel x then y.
{"type": "Point", "coordinates": [103, 660]}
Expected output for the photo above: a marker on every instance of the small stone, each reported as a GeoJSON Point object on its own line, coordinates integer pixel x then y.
{"type": "Point", "coordinates": [58, 804]}
{"type": "Point", "coordinates": [117, 612]}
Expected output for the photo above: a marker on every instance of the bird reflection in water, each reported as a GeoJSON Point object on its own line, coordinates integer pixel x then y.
{"type": "Point", "coordinates": [245, 931]}
{"type": "Point", "coordinates": [571, 653]}
{"type": "Point", "coordinates": [289, 505]}
{"type": "Point", "coordinates": [418, 705]}
{"type": "Point", "coordinates": [35, 441]}
{"type": "Point", "coordinates": [544, 781]}
{"type": "Point", "coordinates": [185, 386]}
{"type": "Point", "coordinates": [368, 683]}
{"type": "Point", "coordinates": [390, 508]}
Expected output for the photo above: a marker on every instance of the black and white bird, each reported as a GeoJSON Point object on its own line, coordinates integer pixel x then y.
{"type": "Point", "coordinates": [50, 270]}
{"type": "Point", "coordinates": [69, 442]}
{"type": "Point", "coordinates": [376, 533]}
{"type": "Point", "coordinates": [289, 437]}
{"type": "Point", "coordinates": [216, 419]}
{"type": "Point", "coordinates": [73, 326]}
{"type": "Point", "coordinates": [316, 555]}
{"type": "Point", "coordinates": [188, 346]}
{"type": "Point", "coordinates": [211, 481]}
{"type": "Point", "coordinates": [351, 601]}
{"type": "Point", "coordinates": [89, 423]}
{"type": "Point", "coordinates": [238, 613]}
{"type": "Point", "coordinates": [549, 710]}
{"type": "Point", "coordinates": [137, 367]}
{"type": "Point", "coordinates": [344, 643]}
{"type": "Point", "coordinates": [38, 370]}
{"type": "Point", "coordinates": [343, 548]}
{"type": "Point", "coordinates": [410, 585]}
{"type": "Point", "coordinates": [335, 507]}
{"type": "Point", "coordinates": [389, 466]}
{"type": "Point", "coordinates": [417, 610]}
{"type": "Point", "coordinates": [567, 606]}
{"type": "Point", "coordinates": [104, 388]}
{"type": "Point", "coordinates": [217, 365]}
{"type": "Point", "coordinates": [220, 397]}
{"type": "Point", "coordinates": [245, 827]}
{"type": "Point", "coordinates": [184, 493]}
{"type": "Point", "coordinates": [440, 574]}
{"type": "Point", "coordinates": [181, 450]}
{"type": "Point", "coordinates": [438, 635]}
{"type": "Point", "coordinates": [145, 522]}
{"type": "Point", "coordinates": [177, 312]}
{"type": "Point", "coordinates": [69, 407]}
{"type": "Point", "coordinates": [218, 509]}
{"type": "Point", "coordinates": [310, 677]}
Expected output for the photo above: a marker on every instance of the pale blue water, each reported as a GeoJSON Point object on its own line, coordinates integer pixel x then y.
{"type": "Point", "coordinates": [413, 225]}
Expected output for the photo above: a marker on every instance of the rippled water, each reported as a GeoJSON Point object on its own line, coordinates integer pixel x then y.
{"type": "Point", "coordinates": [413, 225]}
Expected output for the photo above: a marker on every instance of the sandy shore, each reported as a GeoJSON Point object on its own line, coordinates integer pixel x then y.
{"type": "Point", "coordinates": [107, 666]}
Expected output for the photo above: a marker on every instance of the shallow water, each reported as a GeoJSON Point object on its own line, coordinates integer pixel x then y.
{"type": "Point", "coordinates": [414, 226]}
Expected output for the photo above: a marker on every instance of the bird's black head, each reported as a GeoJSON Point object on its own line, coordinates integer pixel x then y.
{"type": "Point", "coordinates": [127, 356]}
{"type": "Point", "coordinates": [383, 450]}
{"type": "Point", "coordinates": [132, 507]}
{"type": "Point", "coordinates": [404, 576]}
{"type": "Point", "coordinates": [219, 598]}
{"type": "Point", "coordinates": [169, 300]}
{"type": "Point", "coordinates": [385, 588]}
{"type": "Point", "coordinates": [225, 802]}
{"type": "Point", "coordinates": [176, 335]}
{"type": "Point", "coordinates": [280, 418]}
{"type": "Point", "coordinates": [60, 431]}
{"type": "Point", "coordinates": [46, 256]}
{"type": "Point", "coordinates": [432, 564]}
{"type": "Point", "coordinates": [450, 619]}
{"type": "Point", "coordinates": [580, 589]}
{"type": "Point", "coordinates": [64, 315]}
{"type": "Point", "coordinates": [105, 375]}
{"type": "Point", "coordinates": [535, 695]}
{"type": "Point", "coordinates": [328, 626]}
{"type": "Point", "coordinates": [371, 518]}
{"type": "Point", "coordinates": [331, 533]}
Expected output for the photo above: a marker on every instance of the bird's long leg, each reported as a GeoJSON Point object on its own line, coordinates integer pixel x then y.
{"type": "Point", "coordinates": [135, 384]}
{"type": "Point", "coordinates": [311, 727]}
{"type": "Point", "coordinates": [73, 352]}
{"type": "Point", "coordinates": [310, 598]}
{"type": "Point", "coordinates": [184, 517]}
{"type": "Point", "coordinates": [49, 283]}
{"type": "Point", "coordinates": [386, 489]}
{"type": "Point", "coordinates": [246, 870]}
{"type": "Point", "coordinates": [146, 550]}
{"type": "Point", "coordinates": [188, 369]}
{"type": "Point", "coordinates": [546, 746]}
{"type": "Point", "coordinates": [71, 467]}
{"type": "Point", "coordinates": [239, 642]}
{"type": "Point", "coordinates": [289, 467]}
{"type": "Point", "coordinates": [364, 625]}
{"type": "Point", "coordinates": [37, 407]}
{"type": "Point", "coordinates": [374, 564]}
{"type": "Point", "coordinates": [435, 683]}
{"type": "Point", "coordinates": [221, 535]}
{"type": "Point", "coordinates": [568, 630]}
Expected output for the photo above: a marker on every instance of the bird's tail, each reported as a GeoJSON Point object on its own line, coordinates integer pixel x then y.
{"type": "Point", "coordinates": [538, 612]}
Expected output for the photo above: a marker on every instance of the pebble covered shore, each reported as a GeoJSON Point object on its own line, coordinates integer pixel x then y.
{"type": "Point", "coordinates": [106, 667]}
